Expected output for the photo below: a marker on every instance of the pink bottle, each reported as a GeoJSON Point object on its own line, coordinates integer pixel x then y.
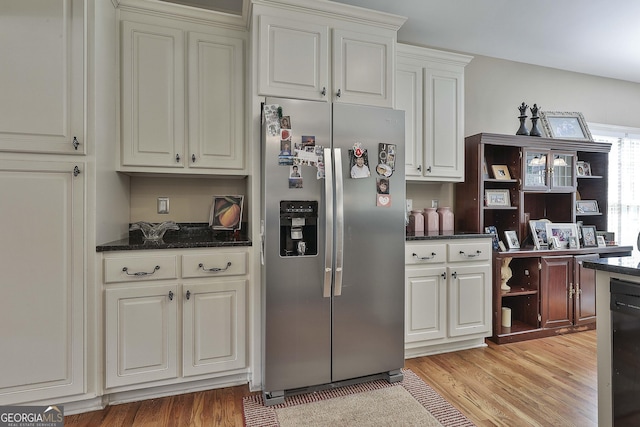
{"type": "Point", "coordinates": [446, 219]}
{"type": "Point", "coordinates": [431, 221]}
{"type": "Point", "coordinates": [416, 222]}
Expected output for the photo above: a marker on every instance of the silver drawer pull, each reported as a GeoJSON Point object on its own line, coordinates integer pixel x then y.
{"type": "Point", "coordinates": [422, 258]}
{"type": "Point", "coordinates": [470, 255]}
{"type": "Point", "coordinates": [140, 273]}
{"type": "Point", "coordinates": [214, 269]}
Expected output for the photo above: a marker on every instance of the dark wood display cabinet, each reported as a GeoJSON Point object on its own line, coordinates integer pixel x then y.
{"type": "Point", "coordinates": [550, 293]}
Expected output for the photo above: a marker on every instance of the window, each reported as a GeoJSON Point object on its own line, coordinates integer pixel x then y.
{"type": "Point", "coordinates": [624, 180]}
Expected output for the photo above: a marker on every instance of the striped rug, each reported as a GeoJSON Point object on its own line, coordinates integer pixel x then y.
{"type": "Point", "coordinates": [369, 404]}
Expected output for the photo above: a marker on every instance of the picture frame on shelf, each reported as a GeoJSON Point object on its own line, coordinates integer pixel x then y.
{"type": "Point", "coordinates": [500, 172]}
{"type": "Point", "coordinates": [512, 239]}
{"type": "Point", "coordinates": [589, 236]}
{"type": "Point", "coordinates": [539, 232]}
{"type": "Point", "coordinates": [497, 197]}
{"type": "Point", "coordinates": [501, 245]}
{"type": "Point", "coordinates": [563, 231]}
{"type": "Point", "coordinates": [583, 168]}
{"type": "Point", "coordinates": [565, 125]}
{"type": "Point", "coordinates": [491, 229]}
{"type": "Point", "coordinates": [485, 170]}
{"type": "Point", "coordinates": [226, 212]}
{"type": "Point", "coordinates": [587, 207]}
{"type": "Point", "coordinates": [601, 242]}
{"type": "Point", "coordinates": [574, 243]}
{"type": "Point", "coordinates": [554, 243]}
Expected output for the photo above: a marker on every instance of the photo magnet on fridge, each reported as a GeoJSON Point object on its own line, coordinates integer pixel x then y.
{"type": "Point", "coordinates": [359, 162]}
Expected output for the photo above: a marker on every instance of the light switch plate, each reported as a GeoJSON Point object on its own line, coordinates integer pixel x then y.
{"type": "Point", "coordinates": [163, 205]}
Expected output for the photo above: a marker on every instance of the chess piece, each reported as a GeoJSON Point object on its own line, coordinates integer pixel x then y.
{"type": "Point", "coordinates": [523, 117]}
{"type": "Point", "coordinates": [534, 121]}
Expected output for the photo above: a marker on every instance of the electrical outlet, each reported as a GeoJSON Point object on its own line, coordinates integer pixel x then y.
{"type": "Point", "coordinates": [434, 203]}
{"type": "Point", "coordinates": [163, 205]}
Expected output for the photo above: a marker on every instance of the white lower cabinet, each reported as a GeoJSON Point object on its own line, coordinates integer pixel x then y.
{"type": "Point", "coordinates": [190, 326]}
{"type": "Point", "coordinates": [448, 295]}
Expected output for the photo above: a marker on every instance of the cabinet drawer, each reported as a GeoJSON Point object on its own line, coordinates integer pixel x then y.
{"type": "Point", "coordinates": [214, 264]}
{"type": "Point", "coordinates": [428, 253]}
{"type": "Point", "coordinates": [474, 251]}
{"type": "Point", "coordinates": [127, 269]}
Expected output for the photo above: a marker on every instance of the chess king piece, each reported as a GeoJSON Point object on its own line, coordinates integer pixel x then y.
{"type": "Point", "coordinates": [534, 121]}
{"type": "Point", "coordinates": [523, 117]}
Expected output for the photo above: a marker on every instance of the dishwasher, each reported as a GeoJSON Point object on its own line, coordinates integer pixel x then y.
{"type": "Point", "coordinates": [625, 352]}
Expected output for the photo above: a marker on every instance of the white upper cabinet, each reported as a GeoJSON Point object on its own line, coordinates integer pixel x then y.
{"type": "Point", "coordinates": [430, 89]}
{"type": "Point", "coordinates": [182, 96]}
{"type": "Point", "coordinates": [325, 51]}
{"type": "Point", "coordinates": [42, 76]}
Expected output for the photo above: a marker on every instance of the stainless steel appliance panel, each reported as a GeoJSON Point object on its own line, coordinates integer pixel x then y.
{"type": "Point", "coordinates": [368, 316]}
{"type": "Point", "coordinates": [297, 335]}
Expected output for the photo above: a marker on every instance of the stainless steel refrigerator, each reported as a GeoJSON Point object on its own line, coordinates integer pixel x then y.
{"type": "Point", "coordinates": [333, 234]}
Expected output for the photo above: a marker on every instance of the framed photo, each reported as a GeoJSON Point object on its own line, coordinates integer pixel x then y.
{"type": "Point", "coordinates": [554, 243]}
{"type": "Point", "coordinates": [574, 243]}
{"type": "Point", "coordinates": [583, 168]}
{"type": "Point", "coordinates": [589, 236]}
{"type": "Point", "coordinates": [563, 232]}
{"type": "Point", "coordinates": [226, 213]}
{"type": "Point", "coordinates": [539, 232]}
{"type": "Point", "coordinates": [512, 239]}
{"type": "Point", "coordinates": [491, 229]}
{"type": "Point", "coordinates": [565, 125]}
{"type": "Point", "coordinates": [601, 242]}
{"type": "Point", "coordinates": [500, 172]}
{"type": "Point", "coordinates": [497, 198]}
{"type": "Point", "coordinates": [587, 206]}
{"type": "Point", "coordinates": [502, 247]}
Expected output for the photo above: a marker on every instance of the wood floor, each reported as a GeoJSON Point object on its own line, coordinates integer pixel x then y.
{"type": "Point", "coordinates": [543, 382]}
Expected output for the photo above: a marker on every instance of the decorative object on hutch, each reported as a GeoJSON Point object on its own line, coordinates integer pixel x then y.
{"type": "Point", "coordinates": [431, 221]}
{"type": "Point", "coordinates": [565, 125]}
{"type": "Point", "coordinates": [550, 292]}
{"type": "Point", "coordinates": [522, 130]}
{"type": "Point", "coordinates": [534, 121]}
{"type": "Point", "coordinates": [446, 221]}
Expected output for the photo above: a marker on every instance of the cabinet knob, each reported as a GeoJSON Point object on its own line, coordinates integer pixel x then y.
{"type": "Point", "coordinates": [170, 295]}
{"type": "Point", "coordinates": [478, 252]}
{"type": "Point", "coordinates": [419, 168]}
{"type": "Point", "coordinates": [422, 258]}
{"type": "Point", "coordinates": [177, 158]}
{"type": "Point", "coordinates": [193, 158]}
{"type": "Point", "coordinates": [429, 169]}
{"type": "Point", "coordinates": [76, 171]}
{"type": "Point", "coordinates": [214, 269]}
{"type": "Point", "coordinates": [323, 92]}
{"type": "Point", "coordinates": [188, 294]}
{"type": "Point", "coordinates": [444, 275]}
{"type": "Point", "coordinates": [140, 273]}
{"type": "Point", "coordinates": [454, 275]}
{"type": "Point", "coordinates": [339, 94]}
{"type": "Point", "coordinates": [75, 143]}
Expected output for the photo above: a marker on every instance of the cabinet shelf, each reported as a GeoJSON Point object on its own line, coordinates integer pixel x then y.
{"type": "Point", "coordinates": [500, 208]}
{"type": "Point", "coordinates": [501, 181]}
{"type": "Point", "coordinates": [517, 326]}
{"type": "Point", "coordinates": [519, 291]}
{"type": "Point", "coordinates": [589, 177]}
{"type": "Point", "coordinates": [589, 214]}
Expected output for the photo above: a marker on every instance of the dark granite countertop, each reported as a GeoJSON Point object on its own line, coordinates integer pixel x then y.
{"type": "Point", "coordinates": [629, 265]}
{"type": "Point", "coordinates": [190, 235]}
{"type": "Point", "coordinates": [444, 235]}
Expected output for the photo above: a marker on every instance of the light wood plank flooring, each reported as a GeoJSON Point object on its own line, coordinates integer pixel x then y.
{"type": "Point", "coordinates": [543, 382]}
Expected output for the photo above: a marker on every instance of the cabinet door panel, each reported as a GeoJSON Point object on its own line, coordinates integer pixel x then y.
{"type": "Point", "coordinates": [294, 59]}
{"type": "Point", "coordinates": [41, 275]}
{"type": "Point", "coordinates": [214, 323]}
{"type": "Point", "coordinates": [152, 104]}
{"type": "Point", "coordinates": [216, 100]}
{"type": "Point", "coordinates": [141, 334]}
{"type": "Point", "coordinates": [444, 127]}
{"type": "Point", "coordinates": [42, 104]}
{"type": "Point", "coordinates": [556, 283]}
{"type": "Point", "coordinates": [469, 300]}
{"type": "Point", "coordinates": [363, 68]}
{"type": "Point", "coordinates": [426, 298]}
{"type": "Point", "coordinates": [585, 285]}
{"type": "Point", "coordinates": [409, 99]}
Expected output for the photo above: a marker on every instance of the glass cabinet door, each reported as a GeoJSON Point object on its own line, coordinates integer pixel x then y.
{"type": "Point", "coordinates": [535, 175]}
{"type": "Point", "coordinates": [562, 170]}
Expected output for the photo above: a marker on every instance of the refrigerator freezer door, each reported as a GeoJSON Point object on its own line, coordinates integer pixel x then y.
{"type": "Point", "coordinates": [368, 316]}
{"type": "Point", "coordinates": [297, 335]}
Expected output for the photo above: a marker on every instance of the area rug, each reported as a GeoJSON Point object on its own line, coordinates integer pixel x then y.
{"type": "Point", "coordinates": [410, 402]}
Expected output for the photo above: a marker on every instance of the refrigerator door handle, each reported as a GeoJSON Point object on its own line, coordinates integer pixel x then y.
{"type": "Point", "coordinates": [339, 221]}
{"type": "Point", "coordinates": [328, 233]}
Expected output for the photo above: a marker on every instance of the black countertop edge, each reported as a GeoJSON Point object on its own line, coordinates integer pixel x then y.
{"type": "Point", "coordinates": [190, 235]}
{"type": "Point", "coordinates": [446, 235]}
{"type": "Point", "coordinates": [629, 265]}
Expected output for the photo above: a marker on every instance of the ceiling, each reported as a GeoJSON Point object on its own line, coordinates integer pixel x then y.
{"type": "Point", "coordinates": [588, 36]}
